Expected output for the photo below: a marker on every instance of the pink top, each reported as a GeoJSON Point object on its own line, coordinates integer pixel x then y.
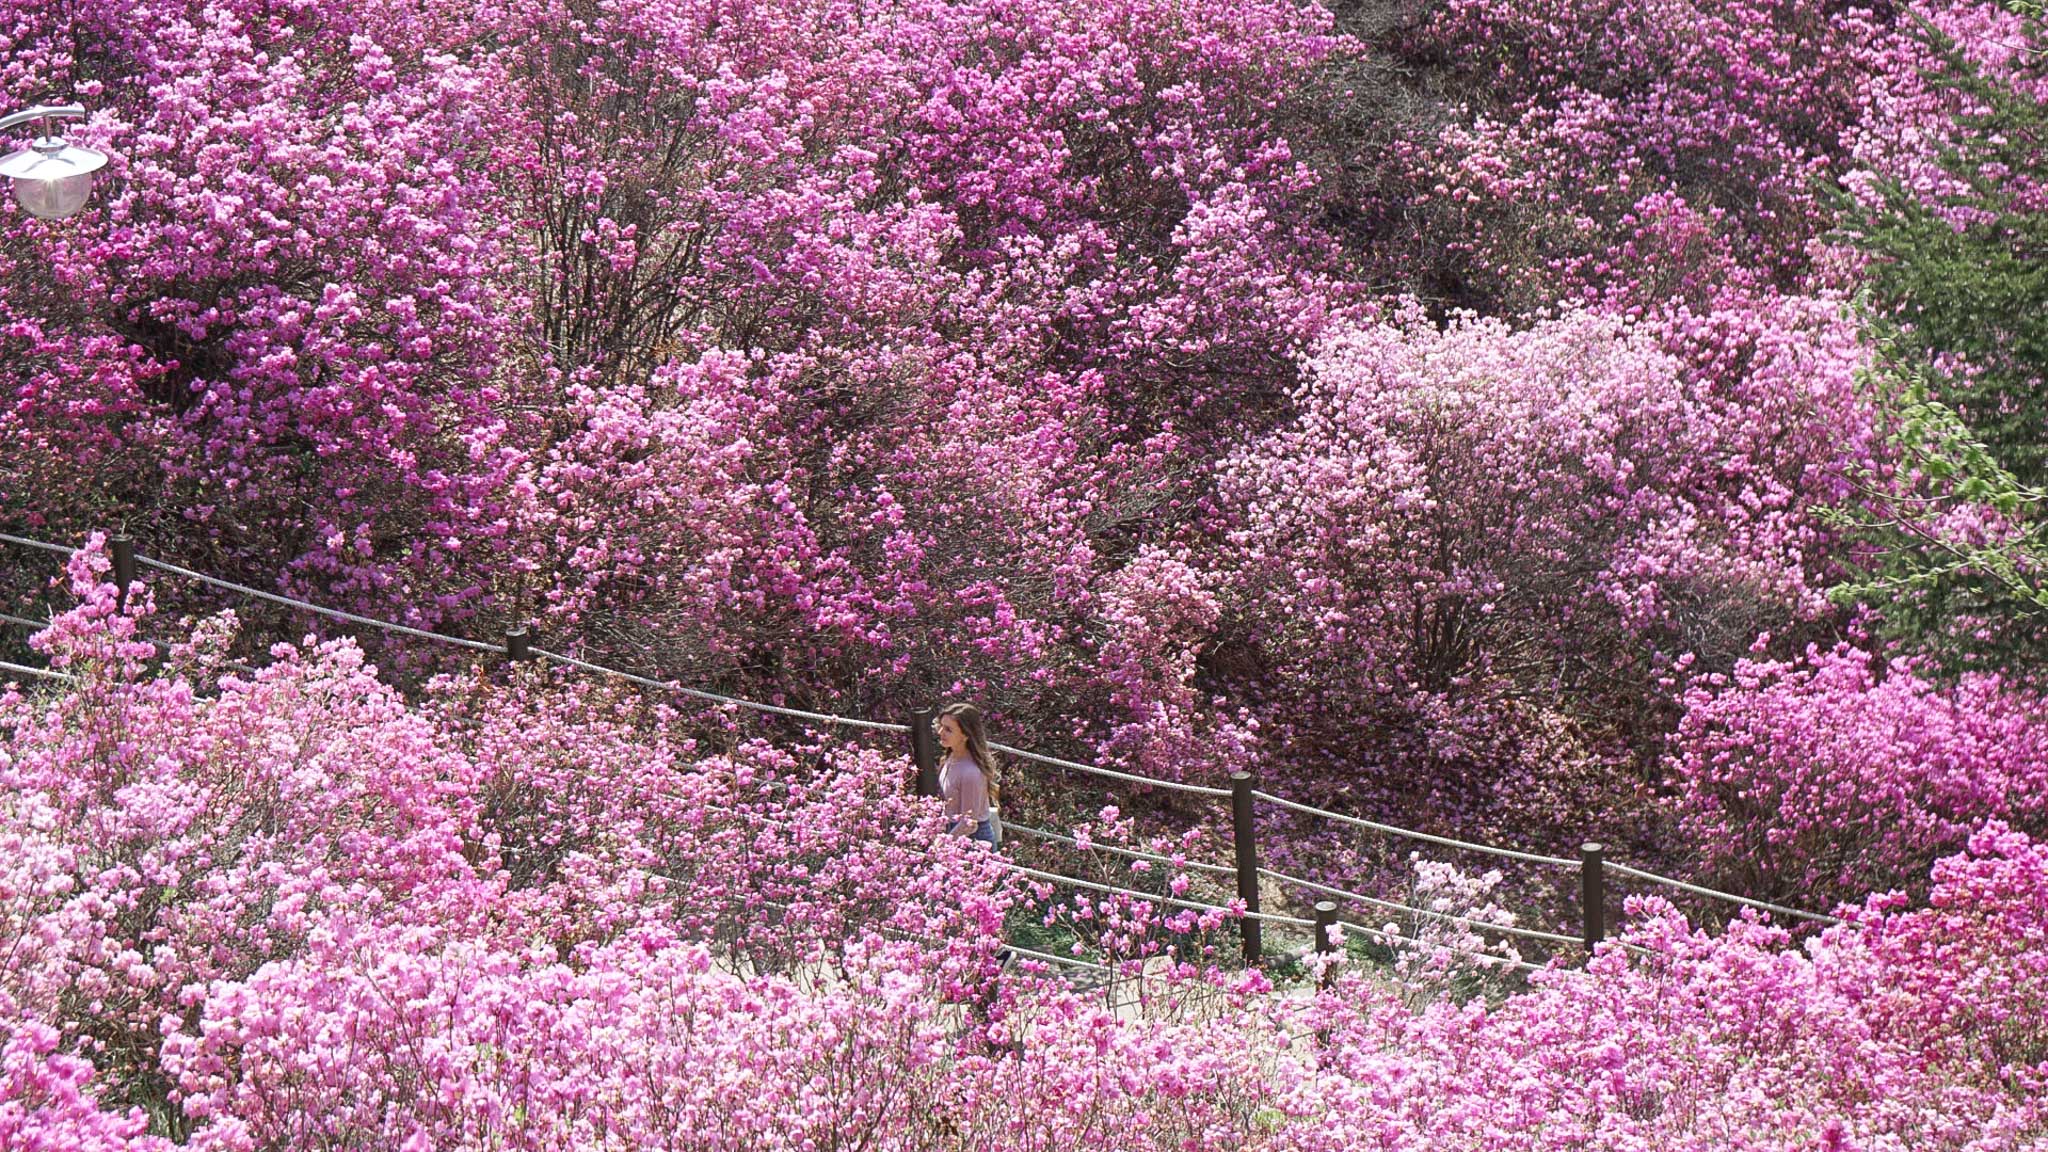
{"type": "Point", "coordinates": [965, 788]}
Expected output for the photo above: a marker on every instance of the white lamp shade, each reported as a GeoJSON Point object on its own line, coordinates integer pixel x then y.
{"type": "Point", "coordinates": [52, 179]}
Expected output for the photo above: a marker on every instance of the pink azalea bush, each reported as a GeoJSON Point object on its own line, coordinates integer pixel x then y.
{"type": "Point", "coordinates": [755, 324]}
{"type": "Point", "coordinates": [1464, 523]}
{"type": "Point", "coordinates": [861, 355]}
{"type": "Point", "coordinates": [1904, 1028]}
{"type": "Point", "coordinates": [1839, 772]}
{"type": "Point", "coordinates": [1643, 153]}
{"type": "Point", "coordinates": [180, 835]}
{"type": "Point", "coordinates": [294, 910]}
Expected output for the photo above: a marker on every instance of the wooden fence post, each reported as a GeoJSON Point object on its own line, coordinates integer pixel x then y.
{"type": "Point", "coordinates": [1247, 860]}
{"type": "Point", "coordinates": [1592, 894]}
{"type": "Point", "coordinates": [924, 750]}
{"type": "Point", "coordinates": [518, 645]}
{"type": "Point", "coordinates": [124, 570]}
{"type": "Point", "coordinates": [1326, 919]}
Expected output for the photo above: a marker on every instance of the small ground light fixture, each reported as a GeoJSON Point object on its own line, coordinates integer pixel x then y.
{"type": "Point", "coordinates": [51, 178]}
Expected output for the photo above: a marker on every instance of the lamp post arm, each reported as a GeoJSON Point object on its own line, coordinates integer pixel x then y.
{"type": "Point", "coordinates": [43, 112]}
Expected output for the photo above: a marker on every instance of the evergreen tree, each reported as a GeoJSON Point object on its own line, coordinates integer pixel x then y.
{"type": "Point", "coordinates": [1955, 540]}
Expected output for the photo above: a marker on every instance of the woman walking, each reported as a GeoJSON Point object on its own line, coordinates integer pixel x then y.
{"type": "Point", "coordinates": [967, 780]}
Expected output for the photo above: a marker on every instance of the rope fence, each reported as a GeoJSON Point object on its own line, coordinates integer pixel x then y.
{"type": "Point", "coordinates": [1243, 795]}
{"type": "Point", "coordinates": [1391, 906]}
{"type": "Point", "coordinates": [700, 694]}
{"type": "Point", "coordinates": [1389, 829]}
{"type": "Point", "coordinates": [45, 545]}
{"type": "Point", "coordinates": [1396, 938]}
{"type": "Point", "coordinates": [161, 647]}
{"type": "Point", "coordinates": [1056, 878]}
{"type": "Point", "coordinates": [1027, 953]}
{"type": "Point", "coordinates": [44, 673]}
{"type": "Point", "coordinates": [1150, 781]}
{"type": "Point", "coordinates": [1761, 905]}
{"type": "Point", "coordinates": [1195, 865]}
{"type": "Point", "coordinates": [303, 606]}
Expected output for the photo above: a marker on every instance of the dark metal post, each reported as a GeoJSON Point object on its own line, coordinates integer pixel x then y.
{"type": "Point", "coordinates": [124, 570]}
{"type": "Point", "coordinates": [924, 750]}
{"type": "Point", "coordinates": [1593, 893]}
{"type": "Point", "coordinates": [1326, 919]}
{"type": "Point", "coordinates": [1247, 860]}
{"type": "Point", "coordinates": [518, 645]}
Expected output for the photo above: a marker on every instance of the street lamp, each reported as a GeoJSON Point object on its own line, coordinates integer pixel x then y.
{"type": "Point", "coordinates": [51, 178]}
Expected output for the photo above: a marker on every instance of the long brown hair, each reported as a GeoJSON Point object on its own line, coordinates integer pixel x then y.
{"type": "Point", "coordinates": [969, 718]}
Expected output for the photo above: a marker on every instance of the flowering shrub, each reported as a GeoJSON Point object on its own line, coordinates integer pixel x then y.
{"type": "Point", "coordinates": [786, 348]}
{"type": "Point", "coordinates": [866, 354]}
{"type": "Point", "coordinates": [177, 837]}
{"type": "Point", "coordinates": [1863, 1039]}
{"type": "Point", "coordinates": [1463, 522]}
{"type": "Point", "coordinates": [1838, 773]}
{"type": "Point", "coordinates": [1637, 153]}
{"type": "Point", "coordinates": [1434, 956]}
{"type": "Point", "coordinates": [1125, 929]}
{"type": "Point", "coordinates": [294, 910]}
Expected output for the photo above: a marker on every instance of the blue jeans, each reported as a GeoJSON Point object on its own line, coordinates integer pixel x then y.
{"type": "Point", "coordinates": [988, 832]}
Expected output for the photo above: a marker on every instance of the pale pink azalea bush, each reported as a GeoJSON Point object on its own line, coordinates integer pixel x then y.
{"type": "Point", "coordinates": [647, 1041]}
{"type": "Point", "coordinates": [1464, 522]}
{"type": "Point", "coordinates": [1905, 1028]}
{"type": "Point", "coordinates": [179, 835]}
{"type": "Point", "coordinates": [1840, 772]}
{"type": "Point", "coordinates": [1126, 930]}
{"type": "Point", "coordinates": [1435, 956]}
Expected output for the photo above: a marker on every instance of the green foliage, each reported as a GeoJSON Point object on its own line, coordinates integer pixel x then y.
{"type": "Point", "coordinates": [1962, 273]}
{"type": "Point", "coordinates": [1955, 533]}
{"type": "Point", "coordinates": [1954, 546]}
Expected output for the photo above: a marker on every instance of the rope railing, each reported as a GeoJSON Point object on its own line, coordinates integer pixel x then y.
{"type": "Point", "coordinates": [1396, 938]}
{"type": "Point", "coordinates": [1391, 830]}
{"type": "Point", "coordinates": [1055, 958]}
{"type": "Point", "coordinates": [1029, 953]}
{"type": "Point", "coordinates": [45, 545]}
{"type": "Point", "coordinates": [44, 673]}
{"type": "Point", "coordinates": [1196, 865]}
{"type": "Point", "coordinates": [1391, 906]}
{"type": "Point", "coordinates": [700, 694]}
{"type": "Point", "coordinates": [161, 647]}
{"type": "Point", "coordinates": [1241, 796]}
{"type": "Point", "coordinates": [1697, 890]}
{"type": "Point", "coordinates": [1391, 937]}
{"type": "Point", "coordinates": [304, 606]}
{"type": "Point", "coordinates": [1267, 917]}
{"type": "Point", "coordinates": [462, 642]}
{"type": "Point", "coordinates": [1151, 781]}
